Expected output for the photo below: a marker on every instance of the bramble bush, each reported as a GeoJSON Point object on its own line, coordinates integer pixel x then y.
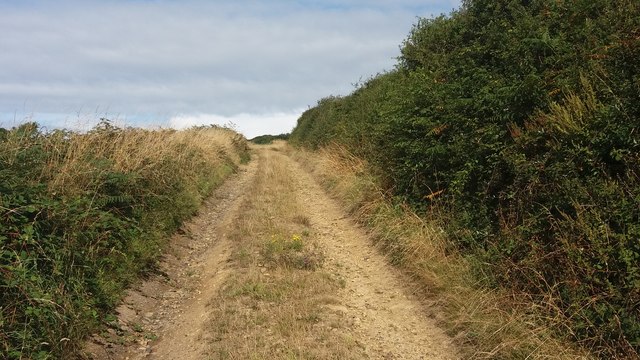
{"type": "Point", "coordinates": [521, 119]}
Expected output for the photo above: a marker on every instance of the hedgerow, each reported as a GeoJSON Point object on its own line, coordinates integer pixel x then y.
{"type": "Point", "coordinates": [82, 215]}
{"type": "Point", "coordinates": [521, 119]}
{"type": "Point", "coordinates": [268, 139]}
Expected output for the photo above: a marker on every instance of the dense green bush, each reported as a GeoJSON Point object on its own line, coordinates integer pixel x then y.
{"type": "Point", "coordinates": [521, 118]}
{"type": "Point", "coordinates": [77, 224]}
{"type": "Point", "coordinates": [268, 139]}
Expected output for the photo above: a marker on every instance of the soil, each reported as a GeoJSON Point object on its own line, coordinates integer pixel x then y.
{"type": "Point", "coordinates": [165, 316]}
{"type": "Point", "coordinates": [387, 318]}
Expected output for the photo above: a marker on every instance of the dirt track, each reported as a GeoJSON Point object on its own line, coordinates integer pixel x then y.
{"type": "Point", "coordinates": [169, 316]}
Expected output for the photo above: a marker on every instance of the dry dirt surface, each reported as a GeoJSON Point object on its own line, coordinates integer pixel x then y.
{"type": "Point", "coordinates": [374, 310]}
{"type": "Point", "coordinates": [387, 318]}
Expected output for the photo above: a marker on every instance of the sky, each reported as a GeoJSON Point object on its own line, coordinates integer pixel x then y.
{"type": "Point", "coordinates": [255, 65]}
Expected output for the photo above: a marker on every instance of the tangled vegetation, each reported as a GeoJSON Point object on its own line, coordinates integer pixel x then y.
{"type": "Point", "coordinates": [268, 139]}
{"type": "Point", "coordinates": [521, 120]}
{"type": "Point", "coordinates": [82, 215]}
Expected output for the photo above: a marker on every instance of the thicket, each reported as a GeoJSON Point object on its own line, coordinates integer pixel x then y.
{"type": "Point", "coordinates": [268, 139]}
{"type": "Point", "coordinates": [521, 119]}
{"type": "Point", "coordinates": [82, 215]}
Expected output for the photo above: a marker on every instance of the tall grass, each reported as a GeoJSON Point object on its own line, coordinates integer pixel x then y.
{"type": "Point", "coordinates": [82, 215]}
{"type": "Point", "coordinates": [485, 322]}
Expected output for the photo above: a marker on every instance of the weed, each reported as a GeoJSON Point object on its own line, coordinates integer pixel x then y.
{"type": "Point", "coordinates": [293, 252]}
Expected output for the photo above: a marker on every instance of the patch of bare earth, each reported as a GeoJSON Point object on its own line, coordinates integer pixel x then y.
{"type": "Point", "coordinates": [382, 313]}
{"type": "Point", "coordinates": [276, 270]}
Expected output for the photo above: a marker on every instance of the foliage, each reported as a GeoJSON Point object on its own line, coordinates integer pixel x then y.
{"type": "Point", "coordinates": [521, 119]}
{"type": "Point", "coordinates": [81, 215]}
{"type": "Point", "coordinates": [268, 139]}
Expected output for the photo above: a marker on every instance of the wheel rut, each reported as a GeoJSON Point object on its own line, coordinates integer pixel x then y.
{"type": "Point", "coordinates": [164, 317]}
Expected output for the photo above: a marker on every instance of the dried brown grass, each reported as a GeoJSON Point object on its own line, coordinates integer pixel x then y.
{"type": "Point", "coordinates": [486, 323]}
{"type": "Point", "coordinates": [139, 150]}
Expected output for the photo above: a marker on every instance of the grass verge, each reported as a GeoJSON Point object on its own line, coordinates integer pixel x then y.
{"type": "Point", "coordinates": [486, 323]}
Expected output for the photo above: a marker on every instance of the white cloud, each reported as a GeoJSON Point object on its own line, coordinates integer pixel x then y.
{"type": "Point", "coordinates": [157, 59]}
{"type": "Point", "coordinates": [250, 125]}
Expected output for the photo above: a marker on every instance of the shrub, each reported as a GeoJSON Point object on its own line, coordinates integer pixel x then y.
{"type": "Point", "coordinates": [81, 215]}
{"type": "Point", "coordinates": [520, 118]}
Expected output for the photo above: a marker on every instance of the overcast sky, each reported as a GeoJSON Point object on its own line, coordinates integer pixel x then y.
{"type": "Point", "coordinates": [258, 64]}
